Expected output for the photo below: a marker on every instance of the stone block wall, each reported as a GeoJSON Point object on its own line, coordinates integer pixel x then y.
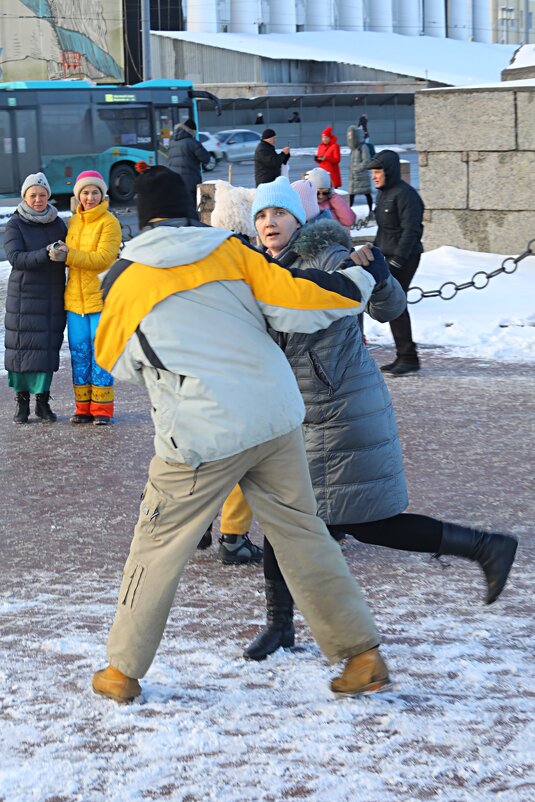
{"type": "Point", "coordinates": [477, 166]}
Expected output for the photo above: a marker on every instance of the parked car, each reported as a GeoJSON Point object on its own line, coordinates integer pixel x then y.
{"type": "Point", "coordinates": [213, 146]}
{"type": "Point", "coordinates": [238, 144]}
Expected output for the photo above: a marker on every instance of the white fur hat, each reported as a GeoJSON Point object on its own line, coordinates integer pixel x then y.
{"type": "Point", "coordinates": [233, 208]}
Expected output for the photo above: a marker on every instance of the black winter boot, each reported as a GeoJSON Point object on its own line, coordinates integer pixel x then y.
{"type": "Point", "coordinates": [206, 540]}
{"type": "Point", "coordinates": [494, 552]}
{"type": "Point", "coordinates": [280, 628]}
{"type": "Point", "coordinates": [42, 408]}
{"type": "Point", "coordinates": [22, 410]}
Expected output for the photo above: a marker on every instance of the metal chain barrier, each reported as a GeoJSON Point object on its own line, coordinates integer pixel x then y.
{"type": "Point", "coordinates": [479, 280]}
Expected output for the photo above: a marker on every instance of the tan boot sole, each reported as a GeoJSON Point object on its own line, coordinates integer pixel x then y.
{"type": "Point", "coordinates": [120, 699]}
{"type": "Point", "coordinates": [374, 687]}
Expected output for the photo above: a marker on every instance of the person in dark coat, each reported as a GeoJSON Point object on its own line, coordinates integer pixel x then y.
{"type": "Point", "coordinates": [399, 214]}
{"type": "Point", "coordinates": [186, 156]}
{"type": "Point", "coordinates": [267, 162]}
{"type": "Point", "coordinates": [351, 439]}
{"type": "Point", "coordinates": [35, 314]}
{"type": "Point", "coordinates": [363, 123]}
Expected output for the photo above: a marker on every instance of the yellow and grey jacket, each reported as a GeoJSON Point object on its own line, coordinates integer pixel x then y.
{"type": "Point", "coordinates": [185, 313]}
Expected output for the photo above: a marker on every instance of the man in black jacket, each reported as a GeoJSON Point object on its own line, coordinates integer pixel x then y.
{"type": "Point", "coordinates": [399, 214]}
{"type": "Point", "coordinates": [267, 162]}
{"type": "Point", "coordinates": [186, 155]}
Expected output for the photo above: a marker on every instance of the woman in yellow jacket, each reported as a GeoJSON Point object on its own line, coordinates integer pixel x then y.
{"type": "Point", "coordinates": [93, 242]}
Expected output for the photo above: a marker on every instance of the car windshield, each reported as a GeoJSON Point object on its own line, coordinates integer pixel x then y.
{"type": "Point", "coordinates": [224, 135]}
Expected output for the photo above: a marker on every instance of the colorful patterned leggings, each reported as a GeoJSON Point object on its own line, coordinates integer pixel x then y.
{"type": "Point", "coordinates": [93, 386]}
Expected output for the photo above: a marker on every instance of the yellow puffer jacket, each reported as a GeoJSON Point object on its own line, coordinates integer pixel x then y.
{"type": "Point", "coordinates": [93, 238]}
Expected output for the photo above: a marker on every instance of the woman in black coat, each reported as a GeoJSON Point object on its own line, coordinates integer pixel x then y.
{"type": "Point", "coordinates": [35, 314]}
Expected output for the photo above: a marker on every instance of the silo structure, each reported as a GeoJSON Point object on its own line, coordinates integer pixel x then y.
{"type": "Point", "coordinates": [350, 15]}
{"type": "Point", "coordinates": [434, 12]}
{"type": "Point", "coordinates": [243, 16]}
{"type": "Point", "coordinates": [409, 18]}
{"type": "Point", "coordinates": [459, 20]}
{"type": "Point", "coordinates": [282, 16]}
{"type": "Point", "coordinates": [379, 16]}
{"type": "Point", "coordinates": [202, 16]}
{"type": "Point", "coordinates": [318, 15]}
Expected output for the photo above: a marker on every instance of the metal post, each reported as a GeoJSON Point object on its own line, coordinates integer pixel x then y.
{"type": "Point", "coordinates": [145, 39]}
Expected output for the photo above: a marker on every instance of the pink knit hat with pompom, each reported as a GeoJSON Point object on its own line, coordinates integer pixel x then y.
{"type": "Point", "coordinates": [89, 178]}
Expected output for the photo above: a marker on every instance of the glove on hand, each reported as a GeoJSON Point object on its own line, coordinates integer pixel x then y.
{"type": "Point", "coordinates": [57, 252]}
{"type": "Point", "coordinates": [378, 267]}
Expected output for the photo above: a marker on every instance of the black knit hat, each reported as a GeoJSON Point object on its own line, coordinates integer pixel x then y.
{"type": "Point", "coordinates": [191, 124]}
{"type": "Point", "coordinates": [162, 193]}
{"type": "Point", "coordinates": [268, 133]}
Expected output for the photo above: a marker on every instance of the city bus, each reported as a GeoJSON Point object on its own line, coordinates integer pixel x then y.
{"type": "Point", "coordinates": [63, 127]}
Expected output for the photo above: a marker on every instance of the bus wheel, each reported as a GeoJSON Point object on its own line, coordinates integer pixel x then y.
{"type": "Point", "coordinates": [122, 179]}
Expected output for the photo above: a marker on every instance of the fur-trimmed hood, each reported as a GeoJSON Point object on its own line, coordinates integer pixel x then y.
{"type": "Point", "coordinates": [313, 238]}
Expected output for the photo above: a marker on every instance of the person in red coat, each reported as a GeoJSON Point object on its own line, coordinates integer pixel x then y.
{"type": "Point", "coordinates": [328, 156]}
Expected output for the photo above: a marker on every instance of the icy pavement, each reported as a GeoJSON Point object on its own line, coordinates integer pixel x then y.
{"type": "Point", "coordinates": [459, 725]}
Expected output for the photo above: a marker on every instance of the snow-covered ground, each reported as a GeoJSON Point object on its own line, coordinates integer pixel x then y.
{"type": "Point", "coordinates": [459, 725]}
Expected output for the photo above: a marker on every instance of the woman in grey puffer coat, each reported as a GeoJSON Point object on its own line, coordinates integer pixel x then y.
{"type": "Point", "coordinates": [351, 438]}
{"type": "Point", "coordinates": [359, 159]}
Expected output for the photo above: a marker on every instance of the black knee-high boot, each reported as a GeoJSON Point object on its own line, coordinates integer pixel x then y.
{"type": "Point", "coordinates": [280, 628]}
{"type": "Point", "coordinates": [494, 552]}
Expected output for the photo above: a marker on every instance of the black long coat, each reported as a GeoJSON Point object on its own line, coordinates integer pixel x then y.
{"type": "Point", "coordinates": [35, 312]}
{"type": "Point", "coordinates": [268, 163]}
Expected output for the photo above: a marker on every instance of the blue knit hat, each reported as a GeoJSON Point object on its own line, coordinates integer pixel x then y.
{"type": "Point", "coordinates": [279, 193]}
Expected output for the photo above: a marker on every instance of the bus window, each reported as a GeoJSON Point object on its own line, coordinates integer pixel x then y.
{"type": "Point", "coordinates": [123, 127]}
{"type": "Point", "coordinates": [65, 129]}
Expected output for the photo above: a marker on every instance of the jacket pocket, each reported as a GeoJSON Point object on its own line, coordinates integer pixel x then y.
{"type": "Point", "coordinates": [150, 511]}
{"type": "Point", "coordinates": [320, 371]}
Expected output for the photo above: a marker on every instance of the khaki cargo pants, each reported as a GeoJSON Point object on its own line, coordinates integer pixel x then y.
{"type": "Point", "coordinates": [178, 505]}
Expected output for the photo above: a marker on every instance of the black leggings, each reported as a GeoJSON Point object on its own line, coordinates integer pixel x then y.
{"type": "Point", "coordinates": [366, 195]}
{"type": "Point", "coordinates": [406, 532]}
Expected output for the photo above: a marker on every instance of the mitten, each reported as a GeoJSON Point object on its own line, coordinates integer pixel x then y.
{"type": "Point", "coordinates": [378, 267]}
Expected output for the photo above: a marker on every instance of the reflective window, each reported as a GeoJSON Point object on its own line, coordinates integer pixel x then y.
{"type": "Point", "coordinates": [65, 129]}
{"type": "Point", "coordinates": [123, 127]}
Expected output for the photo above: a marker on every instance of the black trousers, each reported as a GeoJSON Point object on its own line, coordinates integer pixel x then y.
{"type": "Point", "coordinates": [401, 326]}
{"type": "Point", "coordinates": [405, 532]}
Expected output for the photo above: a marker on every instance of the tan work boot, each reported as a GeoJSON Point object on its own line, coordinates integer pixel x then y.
{"type": "Point", "coordinates": [364, 673]}
{"type": "Point", "coordinates": [115, 685]}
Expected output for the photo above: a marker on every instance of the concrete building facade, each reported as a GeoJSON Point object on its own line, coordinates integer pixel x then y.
{"type": "Point", "coordinates": [476, 179]}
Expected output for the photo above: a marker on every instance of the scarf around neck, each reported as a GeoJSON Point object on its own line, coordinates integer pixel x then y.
{"type": "Point", "coordinates": [30, 216]}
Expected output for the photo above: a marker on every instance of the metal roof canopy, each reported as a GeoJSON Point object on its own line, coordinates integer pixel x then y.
{"type": "Point", "coordinates": [315, 101]}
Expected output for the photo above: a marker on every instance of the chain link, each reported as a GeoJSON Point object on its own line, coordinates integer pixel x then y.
{"type": "Point", "coordinates": [479, 280]}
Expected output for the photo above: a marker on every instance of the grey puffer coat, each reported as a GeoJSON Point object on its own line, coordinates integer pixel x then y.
{"type": "Point", "coordinates": [351, 437]}
{"type": "Point", "coordinates": [359, 159]}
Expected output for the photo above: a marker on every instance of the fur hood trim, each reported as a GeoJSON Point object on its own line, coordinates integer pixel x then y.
{"type": "Point", "coordinates": [315, 237]}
